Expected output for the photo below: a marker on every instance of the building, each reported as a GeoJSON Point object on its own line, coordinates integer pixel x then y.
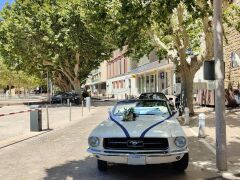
{"type": "Point", "coordinates": [119, 79]}
{"type": "Point", "coordinates": [130, 78]}
{"type": "Point", "coordinates": [122, 77]}
{"type": "Point", "coordinates": [232, 56]}
{"type": "Point", "coordinates": [96, 81]}
{"type": "Point", "coordinates": [155, 76]}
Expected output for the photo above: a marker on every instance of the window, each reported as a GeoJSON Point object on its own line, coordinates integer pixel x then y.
{"type": "Point", "coordinates": [121, 84]}
{"type": "Point", "coordinates": [120, 67]}
{"type": "Point", "coordinates": [117, 85]}
{"type": "Point", "coordinates": [152, 78]}
{"type": "Point", "coordinates": [139, 84]}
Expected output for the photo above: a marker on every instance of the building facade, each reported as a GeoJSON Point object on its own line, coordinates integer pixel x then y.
{"type": "Point", "coordinates": [119, 79]}
{"type": "Point", "coordinates": [232, 55]}
{"type": "Point", "coordinates": [129, 78]}
{"type": "Point", "coordinates": [122, 77]}
{"type": "Point", "coordinates": [96, 82]}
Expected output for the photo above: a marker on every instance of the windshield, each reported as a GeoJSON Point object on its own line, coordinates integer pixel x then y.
{"type": "Point", "coordinates": [143, 107]}
{"type": "Point", "coordinates": [153, 96]}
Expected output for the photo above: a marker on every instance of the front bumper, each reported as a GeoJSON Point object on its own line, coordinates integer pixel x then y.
{"type": "Point", "coordinates": [149, 157]}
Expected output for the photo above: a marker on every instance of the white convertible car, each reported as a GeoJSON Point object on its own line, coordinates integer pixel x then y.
{"type": "Point", "coordinates": [140, 132]}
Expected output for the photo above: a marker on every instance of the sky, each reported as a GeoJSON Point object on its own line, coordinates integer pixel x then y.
{"type": "Point", "coordinates": [3, 2]}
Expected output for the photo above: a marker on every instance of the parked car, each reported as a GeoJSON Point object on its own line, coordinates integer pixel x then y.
{"type": "Point", "coordinates": [62, 97]}
{"type": "Point", "coordinates": [140, 132]}
{"type": "Point", "coordinates": [159, 95]}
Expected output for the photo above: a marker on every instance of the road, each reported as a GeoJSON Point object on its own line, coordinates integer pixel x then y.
{"type": "Point", "coordinates": [61, 154]}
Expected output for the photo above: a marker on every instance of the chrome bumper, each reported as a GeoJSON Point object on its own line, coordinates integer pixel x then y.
{"type": "Point", "coordinates": [151, 157]}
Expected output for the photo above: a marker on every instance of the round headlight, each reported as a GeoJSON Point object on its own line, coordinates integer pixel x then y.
{"type": "Point", "coordinates": [180, 141]}
{"type": "Point", "coordinates": [93, 141]}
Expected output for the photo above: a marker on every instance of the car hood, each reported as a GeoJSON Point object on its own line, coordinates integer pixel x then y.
{"type": "Point", "coordinates": [168, 128]}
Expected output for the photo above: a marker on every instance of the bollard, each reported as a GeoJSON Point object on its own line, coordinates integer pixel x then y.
{"type": "Point", "coordinates": [47, 117]}
{"type": "Point", "coordinates": [68, 102]}
{"type": "Point", "coordinates": [35, 119]}
{"type": "Point", "coordinates": [186, 116]}
{"type": "Point", "coordinates": [201, 125]}
{"type": "Point", "coordinates": [82, 107]}
{"type": "Point", "coordinates": [88, 103]}
{"type": "Point", "coordinates": [70, 112]}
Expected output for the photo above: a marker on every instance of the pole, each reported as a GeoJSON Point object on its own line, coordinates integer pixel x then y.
{"type": "Point", "coordinates": [70, 111]}
{"type": "Point", "coordinates": [47, 117]}
{"type": "Point", "coordinates": [89, 107]}
{"type": "Point", "coordinates": [48, 94]}
{"type": "Point", "coordinates": [82, 107]}
{"type": "Point", "coordinates": [221, 148]}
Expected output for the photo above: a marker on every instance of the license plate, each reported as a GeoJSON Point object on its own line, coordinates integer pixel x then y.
{"type": "Point", "coordinates": [136, 160]}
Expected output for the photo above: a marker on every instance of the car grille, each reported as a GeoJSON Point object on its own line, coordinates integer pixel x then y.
{"type": "Point", "coordinates": [135, 143]}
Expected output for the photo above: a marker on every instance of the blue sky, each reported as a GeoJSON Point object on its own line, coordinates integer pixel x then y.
{"type": "Point", "coordinates": [3, 2]}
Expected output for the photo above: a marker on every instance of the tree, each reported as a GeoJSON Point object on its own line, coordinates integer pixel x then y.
{"type": "Point", "coordinates": [180, 30]}
{"type": "Point", "coordinates": [51, 35]}
{"type": "Point", "coordinates": [18, 79]}
{"type": "Point", "coordinates": [232, 16]}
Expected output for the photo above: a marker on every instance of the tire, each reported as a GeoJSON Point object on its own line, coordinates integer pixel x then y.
{"type": "Point", "coordinates": [102, 165]}
{"type": "Point", "coordinates": [182, 164]}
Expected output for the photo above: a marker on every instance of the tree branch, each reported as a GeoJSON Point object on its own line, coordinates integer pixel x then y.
{"type": "Point", "coordinates": [71, 80]}
{"type": "Point", "coordinates": [48, 63]}
{"type": "Point", "coordinates": [207, 42]}
{"type": "Point", "coordinates": [156, 41]}
{"type": "Point", "coordinates": [182, 29]}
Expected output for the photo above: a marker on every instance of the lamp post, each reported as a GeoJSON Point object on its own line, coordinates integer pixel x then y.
{"type": "Point", "coordinates": [221, 147]}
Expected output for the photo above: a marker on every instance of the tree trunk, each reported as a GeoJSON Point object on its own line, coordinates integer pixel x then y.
{"type": "Point", "coordinates": [77, 85]}
{"type": "Point", "coordinates": [188, 91]}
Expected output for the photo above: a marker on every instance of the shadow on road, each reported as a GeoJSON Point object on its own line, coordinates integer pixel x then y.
{"type": "Point", "coordinates": [201, 167]}
{"type": "Point", "coordinates": [87, 169]}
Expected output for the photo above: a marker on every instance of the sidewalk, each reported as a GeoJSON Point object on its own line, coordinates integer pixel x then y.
{"type": "Point", "coordinates": [15, 128]}
{"type": "Point", "coordinates": [232, 132]}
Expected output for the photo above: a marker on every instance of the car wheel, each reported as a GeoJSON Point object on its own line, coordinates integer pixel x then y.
{"type": "Point", "coordinates": [102, 165]}
{"type": "Point", "coordinates": [182, 164]}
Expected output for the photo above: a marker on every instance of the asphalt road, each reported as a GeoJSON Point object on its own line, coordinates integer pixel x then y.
{"type": "Point", "coordinates": [61, 154]}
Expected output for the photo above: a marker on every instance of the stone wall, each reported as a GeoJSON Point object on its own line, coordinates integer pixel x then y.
{"type": "Point", "coordinates": [231, 74]}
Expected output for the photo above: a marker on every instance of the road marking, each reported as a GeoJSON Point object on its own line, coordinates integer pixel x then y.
{"type": "Point", "coordinates": [209, 146]}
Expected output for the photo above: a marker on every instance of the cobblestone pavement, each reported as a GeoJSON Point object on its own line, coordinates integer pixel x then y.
{"type": "Point", "coordinates": [61, 154]}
